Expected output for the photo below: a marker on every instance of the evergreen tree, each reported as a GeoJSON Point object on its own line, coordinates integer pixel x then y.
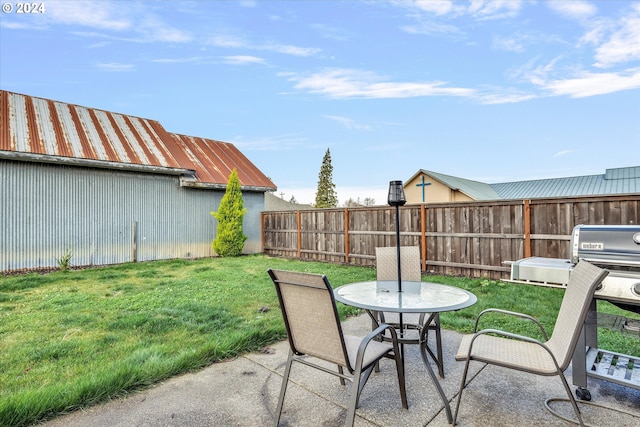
{"type": "Point", "coordinates": [326, 196]}
{"type": "Point", "coordinates": [230, 238]}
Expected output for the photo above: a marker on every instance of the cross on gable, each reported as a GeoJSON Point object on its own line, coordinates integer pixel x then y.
{"type": "Point", "coordinates": [423, 185]}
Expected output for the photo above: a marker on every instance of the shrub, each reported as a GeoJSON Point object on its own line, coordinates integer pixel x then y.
{"type": "Point", "coordinates": [230, 238]}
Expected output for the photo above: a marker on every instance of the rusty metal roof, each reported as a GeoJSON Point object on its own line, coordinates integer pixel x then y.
{"type": "Point", "coordinates": [52, 130]}
{"type": "Point", "coordinates": [214, 161]}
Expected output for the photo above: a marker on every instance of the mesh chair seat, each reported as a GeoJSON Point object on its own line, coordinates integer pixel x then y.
{"type": "Point", "coordinates": [374, 352]}
{"type": "Point", "coordinates": [524, 356]}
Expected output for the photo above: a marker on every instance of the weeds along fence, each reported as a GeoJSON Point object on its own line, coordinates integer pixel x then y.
{"type": "Point", "coordinates": [473, 239]}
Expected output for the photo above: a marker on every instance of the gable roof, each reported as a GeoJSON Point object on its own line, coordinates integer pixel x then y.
{"type": "Point", "coordinates": [613, 181]}
{"type": "Point", "coordinates": [37, 129]}
{"type": "Point", "coordinates": [474, 189]}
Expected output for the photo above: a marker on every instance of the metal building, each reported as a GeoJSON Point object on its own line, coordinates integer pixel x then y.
{"type": "Point", "coordinates": [110, 188]}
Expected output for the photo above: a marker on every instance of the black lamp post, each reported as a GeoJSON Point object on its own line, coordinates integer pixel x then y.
{"type": "Point", "coordinates": [397, 198]}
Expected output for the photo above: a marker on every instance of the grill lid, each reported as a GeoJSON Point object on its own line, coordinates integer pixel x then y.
{"type": "Point", "coordinates": [617, 245]}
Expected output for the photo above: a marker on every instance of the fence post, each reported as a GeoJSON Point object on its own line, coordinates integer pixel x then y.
{"type": "Point", "coordinates": [423, 236]}
{"type": "Point", "coordinates": [527, 228]}
{"type": "Point", "coordinates": [299, 226]}
{"type": "Point", "coordinates": [346, 236]}
{"type": "Point", "coordinates": [262, 219]}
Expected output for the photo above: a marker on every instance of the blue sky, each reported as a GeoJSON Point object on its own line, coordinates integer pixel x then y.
{"type": "Point", "coordinates": [493, 91]}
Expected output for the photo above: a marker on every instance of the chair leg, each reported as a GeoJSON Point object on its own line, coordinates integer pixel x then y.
{"type": "Point", "coordinates": [423, 353]}
{"type": "Point", "coordinates": [462, 386]}
{"type": "Point", "coordinates": [439, 346]}
{"type": "Point", "coordinates": [572, 399]}
{"type": "Point", "coordinates": [374, 325]}
{"type": "Point", "coordinates": [283, 388]}
{"type": "Point", "coordinates": [353, 399]}
{"type": "Point", "coordinates": [364, 377]}
{"type": "Point", "coordinates": [401, 381]}
{"type": "Point", "coordinates": [341, 371]}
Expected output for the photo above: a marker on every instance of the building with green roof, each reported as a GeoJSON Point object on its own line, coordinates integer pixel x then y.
{"type": "Point", "coordinates": [434, 187]}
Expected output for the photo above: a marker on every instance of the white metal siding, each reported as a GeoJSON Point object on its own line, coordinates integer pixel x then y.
{"type": "Point", "coordinates": [47, 209]}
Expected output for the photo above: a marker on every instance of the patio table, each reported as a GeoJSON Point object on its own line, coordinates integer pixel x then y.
{"type": "Point", "coordinates": [415, 297]}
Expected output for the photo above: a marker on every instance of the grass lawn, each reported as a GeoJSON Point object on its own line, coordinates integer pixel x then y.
{"type": "Point", "coordinates": [70, 339]}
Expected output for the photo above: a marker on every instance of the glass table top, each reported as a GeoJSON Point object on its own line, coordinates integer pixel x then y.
{"type": "Point", "coordinates": [416, 297]}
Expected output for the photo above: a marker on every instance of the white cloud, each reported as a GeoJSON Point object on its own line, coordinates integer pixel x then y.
{"type": "Point", "coordinates": [243, 59]}
{"type": "Point", "coordinates": [17, 25]}
{"type": "Point", "coordinates": [573, 9]}
{"type": "Point", "coordinates": [504, 96]}
{"type": "Point", "coordinates": [591, 84]}
{"type": "Point", "coordinates": [114, 66]}
{"type": "Point", "coordinates": [156, 31]}
{"type": "Point", "coordinates": [509, 44]}
{"type": "Point", "coordinates": [290, 50]}
{"type": "Point", "coordinates": [193, 59]}
{"type": "Point", "coordinates": [431, 27]}
{"type": "Point", "coordinates": [441, 7]}
{"type": "Point", "coordinates": [119, 17]}
{"type": "Point", "coordinates": [624, 44]}
{"type": "Point", "coordinates": [562, 153]}
{"type": "Point", "coordinates": [104, 15]}
{"type": "Point", "coordinates": [232, 59]}
{"type": "Point", "coordinates": [230, 41]}
{"type": "Point", "coordinates": [346, 83]}
{"type": "Point", "coordinates": [495, 9]}
{"type": "Point", "coordinates": [349, 123]}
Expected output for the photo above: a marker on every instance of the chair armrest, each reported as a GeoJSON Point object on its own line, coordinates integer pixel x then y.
{"type": "Point", "coordinates": [370, 336]}
{"type": "Point", "coordinates": [511, 313]}
{"type": "Point", "coordinates": [378, 331]}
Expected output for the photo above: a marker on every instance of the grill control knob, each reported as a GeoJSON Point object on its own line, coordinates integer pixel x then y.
{"type": "Point", "coordinates": [636, 288]}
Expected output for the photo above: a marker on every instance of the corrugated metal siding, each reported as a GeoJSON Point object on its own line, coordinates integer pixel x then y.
{"type": "Point", "coordinates": [47, 209]}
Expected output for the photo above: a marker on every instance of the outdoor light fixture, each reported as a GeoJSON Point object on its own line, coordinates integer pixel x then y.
{"type": "Point", "coordinates": [396, 194]}
{"type": "Point", "coordinates": [397, 198]}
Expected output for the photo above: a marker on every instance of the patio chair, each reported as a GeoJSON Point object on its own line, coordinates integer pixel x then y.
{"type": "Point", "coordinates": [387, 269]}
{"type": "Point", "coordinates": [315, 332]}
{"type": "Point", "coordinates": [522, 353]}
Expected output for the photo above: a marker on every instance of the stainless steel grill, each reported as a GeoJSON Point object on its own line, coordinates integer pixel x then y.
{"type": "Point", "coordinates": [616, 248]}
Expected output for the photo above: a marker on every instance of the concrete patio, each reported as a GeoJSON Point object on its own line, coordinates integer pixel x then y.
{"type": "Point", "coordinates": [244, 392]}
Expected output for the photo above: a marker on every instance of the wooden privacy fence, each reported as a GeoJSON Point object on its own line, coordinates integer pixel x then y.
{"type": "Point", "coordinates": [473, 239]}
